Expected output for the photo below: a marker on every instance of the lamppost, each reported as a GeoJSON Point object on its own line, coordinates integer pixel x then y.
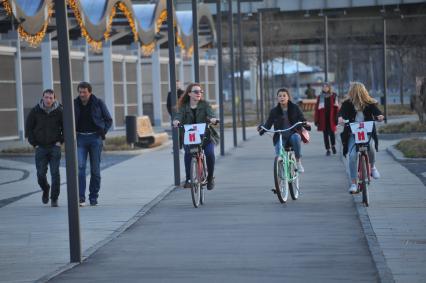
{"type": "Point", "coordinates": [196, 56]}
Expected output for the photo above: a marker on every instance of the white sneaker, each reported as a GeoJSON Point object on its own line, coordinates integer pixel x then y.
{"type": "Point", "coordinates": [300, 168]}
{"type": "Point", "coordinates": [375, 173]}
{"type": "Point", "coordinates": [353, 189]}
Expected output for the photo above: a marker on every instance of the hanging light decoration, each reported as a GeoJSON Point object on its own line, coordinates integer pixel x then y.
{"type": "Point", "coordinates": [160, 20]}
{"type": "Point", "coordinates": [34, 40]}
{"type": "Point", "coordinates": [123, 8]}
{"type": "Point", "coordinates": [96, 45]}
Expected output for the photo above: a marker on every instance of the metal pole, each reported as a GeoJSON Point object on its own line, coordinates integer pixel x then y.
{"type": "Point", "coordinates": [385, 82]}
{"type": "Point", "coordinates": [172, 74]}
{"type": "Point", "coordinates": [231, 53]}
{"type": "Point", "coordinates": [220, 75]}
{"type": "Point", "coordinates": [69, 130]}
{"type": "Point", "coordinates": [195, 39]}
{"type": "Point", "coordinates": [240, 47]}
{"type": "Point", "coordinates": [262, 115]}
{"type": "Point", "coordinates": [326, 48]}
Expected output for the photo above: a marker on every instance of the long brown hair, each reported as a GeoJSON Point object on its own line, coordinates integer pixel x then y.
{"type": "Point", "coordinates": [359, 96]}
{"type": "Point", "coordinates": [185, 96]}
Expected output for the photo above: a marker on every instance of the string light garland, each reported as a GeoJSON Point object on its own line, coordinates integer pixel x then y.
{"type": "Point", "coordinates": [96, 45]}
{"type": "Point", "coordinates": [160, 20]}
{"type": "Point", "coordinates": [7, 7]}
{"type": "Point", "coordinates": [148, 49]}
{"type": "Point", "coordinates": [123, 8]}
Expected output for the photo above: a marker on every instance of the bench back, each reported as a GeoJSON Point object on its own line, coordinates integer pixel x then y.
{"type": "Point", "coordinates": [144, 126]}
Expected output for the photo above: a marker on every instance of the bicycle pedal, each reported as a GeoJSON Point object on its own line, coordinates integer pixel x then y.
{"type": "Point", "coordinates": [274, 191]}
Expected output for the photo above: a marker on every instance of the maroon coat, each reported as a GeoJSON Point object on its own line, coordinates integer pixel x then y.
{"type": "Point", "coordinates": [320, 118]}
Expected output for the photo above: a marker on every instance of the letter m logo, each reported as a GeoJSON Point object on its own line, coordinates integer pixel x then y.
{"type": "Point", "coordinates": [192, 137]}
{"type": "Point", "coordinates": [361, 136]}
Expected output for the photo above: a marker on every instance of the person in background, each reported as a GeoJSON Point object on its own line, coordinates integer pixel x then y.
{"type": "Point", "coordinates": [92, 120]}
{"type": "Point", "coordinates": [309, 92]}
{"type": "Point", "coordinates": [179, 92]}
{"type": "Point", "coordinates": [44, 130]}
{"type": "Point", "coordinates": [325, 117]}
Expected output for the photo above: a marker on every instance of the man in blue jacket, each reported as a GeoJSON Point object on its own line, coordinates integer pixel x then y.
{"type": "Point", "coordinates": [92, 120]}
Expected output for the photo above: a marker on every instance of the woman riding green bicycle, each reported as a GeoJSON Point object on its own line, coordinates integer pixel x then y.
{"type": "Point", "coordinates": [283, 116]}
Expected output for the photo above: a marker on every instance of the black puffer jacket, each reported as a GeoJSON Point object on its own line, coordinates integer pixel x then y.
{"type": "Point", "coordinates": [348, 112]}
{"type": "Point", "coordinates": [275, 118]}
{"type": "Point", "coordinates": [44, 129]}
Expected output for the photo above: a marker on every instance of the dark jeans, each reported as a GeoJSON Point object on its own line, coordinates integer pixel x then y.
{"type": "Point", "coordinates": [329, 136]}
{"type": "Point", "coordinates": [92, 145]}
{"type": "Point", "coordinates": [48, 155]}
{"type": "Point", "coordinates": [210, 160]}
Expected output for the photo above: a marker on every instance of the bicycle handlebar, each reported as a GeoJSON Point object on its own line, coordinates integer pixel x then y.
{"type": "Point", "coordinates": [208, 122]}
{"type": "Point", "coordinates": [283, 130]}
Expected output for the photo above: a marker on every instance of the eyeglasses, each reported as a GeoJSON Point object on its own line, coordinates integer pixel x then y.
{"type": "Point", "coordinates": [196, 91]}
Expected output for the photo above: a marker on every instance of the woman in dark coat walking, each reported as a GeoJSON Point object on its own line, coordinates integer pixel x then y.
{"type": "Point", "coordinates": [326, 111]}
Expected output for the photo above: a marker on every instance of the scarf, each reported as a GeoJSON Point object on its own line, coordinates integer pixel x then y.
{"type": "Point", "coordinates": [322, 97]}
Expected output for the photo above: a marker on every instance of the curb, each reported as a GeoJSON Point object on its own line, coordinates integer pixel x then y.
{"type": "Point", "coordinates": [90, 251]}
{"type": "Point", "coordinates": [383, 271]}
{"type": "Point", "coordinates": [398, 156]}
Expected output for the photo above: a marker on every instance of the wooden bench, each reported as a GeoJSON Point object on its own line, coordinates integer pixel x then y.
{"type": "Point", "coordinates": [307, 104]}
{"type": "Point", "coordinates": [146, 135]}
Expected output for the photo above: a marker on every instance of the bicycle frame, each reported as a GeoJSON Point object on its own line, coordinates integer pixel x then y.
{"type": "Point", "coordinates": [285, 156]}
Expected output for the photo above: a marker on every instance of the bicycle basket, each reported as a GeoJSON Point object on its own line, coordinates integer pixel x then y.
{"type": "Point", "coordinates": [361, 131]}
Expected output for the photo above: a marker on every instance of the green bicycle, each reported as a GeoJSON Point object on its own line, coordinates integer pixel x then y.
{"type": "Point", "coordinates": [286, 176]}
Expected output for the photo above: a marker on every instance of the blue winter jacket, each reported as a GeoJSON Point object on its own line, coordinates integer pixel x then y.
{"type": "Point", "coordinates": [100, 114]}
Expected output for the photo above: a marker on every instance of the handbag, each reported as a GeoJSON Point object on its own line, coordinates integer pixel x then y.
{"type": "Point", "coordinates": [304, 134]}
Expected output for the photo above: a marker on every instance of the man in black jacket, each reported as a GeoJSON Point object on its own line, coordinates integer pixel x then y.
{"type": "Point", "coordinates": [92, 120]}
{"type": "Point", "coordinates": [44, 130]}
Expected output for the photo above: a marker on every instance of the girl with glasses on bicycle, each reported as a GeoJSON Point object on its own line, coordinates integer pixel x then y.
{"type": "Point", "coordinates": [283, 116]}
{"type": "Point", "coordinates": [358, 107]}
{"type": "Point", "coordinates": [192, 109]}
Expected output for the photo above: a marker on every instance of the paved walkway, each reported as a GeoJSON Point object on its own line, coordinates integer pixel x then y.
{"type": "Point", "coordinates": [34, 237]}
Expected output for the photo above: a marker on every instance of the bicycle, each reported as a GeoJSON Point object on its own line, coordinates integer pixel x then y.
{"type": "Point", "coordinates": [286, 176]}
{"type": "Point", "coordinates": [194, 138]}
{"type": "Point", "coordinates": [362, 133]}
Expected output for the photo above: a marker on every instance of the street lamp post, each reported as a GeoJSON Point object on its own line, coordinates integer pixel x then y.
{"type": "Point", "coordinates": [195, 39]}
{"type": "Point", "coordinates": [172, 73]}
{"type": "Point", "coordinates": [220, 69]}
{"type": "Point", "coordinates": [326, 48]}
{"type": "Point", "coordinates": [385, 81]}
{"type": "Point", "coordinates": [231, 54]}
{"type": "Point", "coordinates": [69, 130]}
{"type": "Point", "coordinates": [240, 48]}
{"type": "Point", "coordinates": [259, 19]}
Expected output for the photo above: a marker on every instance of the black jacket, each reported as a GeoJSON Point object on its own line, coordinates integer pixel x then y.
{"type": "Point", "coordinates": [348, 112]}
{"type": "Point", "coordinates": [100, 114]}
{"type": "Point", "coordinates": [44, 129]}
{"type": "Point", "coordinates": [275, 118]}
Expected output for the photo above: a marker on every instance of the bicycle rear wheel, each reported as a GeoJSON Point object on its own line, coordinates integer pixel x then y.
{"type": "Point", "coordinates": [281, 185]}
{"type": "Point", "coordinates": [294, 175]}
{"type": "Point", "coordinates": [195, 183]}
{"type": "Point", "coordinates": [364, 180]}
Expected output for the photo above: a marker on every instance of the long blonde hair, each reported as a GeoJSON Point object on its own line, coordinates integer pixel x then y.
{"type": "Point", "coordinates": [359, 96]}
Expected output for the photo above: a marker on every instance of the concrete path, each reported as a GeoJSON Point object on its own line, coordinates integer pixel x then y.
{"type": "Point", "coordinates": [243, 233]}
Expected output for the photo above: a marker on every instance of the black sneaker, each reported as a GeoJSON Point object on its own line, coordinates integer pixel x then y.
{"type": "Point", "coordinates": [328, 152]}
{"type": "Point", "coordinates": [45, 196]}
{"type": "Point", "coordinates": [54, 203]}
{"type": "Point", "coordinates": [210, 184]}
{"type": "Point", "coordinates": [187, 184]}
{"type": "Point", "coordinates": [93, 203]}
{"type": "Point", "coordinates": [334, 150]}
{"type": "Point", "coordinates": [82, 203]}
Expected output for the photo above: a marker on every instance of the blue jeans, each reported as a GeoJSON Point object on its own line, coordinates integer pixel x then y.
{"type": "Point", "coordinates": [294, 141]}
{"type": "Point", "coordinates": [353, 157]}
{"type": "Point", "coordinates": [92, 145]}
{"type": "Point", "coordinates": [48, 155]}
{"type": "Point", "coordinates": [210, 160]}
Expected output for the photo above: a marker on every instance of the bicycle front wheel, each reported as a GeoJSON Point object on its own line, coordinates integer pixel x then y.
{"type": "Point", "coordinates": [281, 185]}
{"type": "Point", "coordinates": [364, 180]}
{"type": "Point", "coordinates": [294, 177]}
{"type": "Point", "coordinates": [203, 179]}
{"type": "Point", "coordinates": [195, 183]}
